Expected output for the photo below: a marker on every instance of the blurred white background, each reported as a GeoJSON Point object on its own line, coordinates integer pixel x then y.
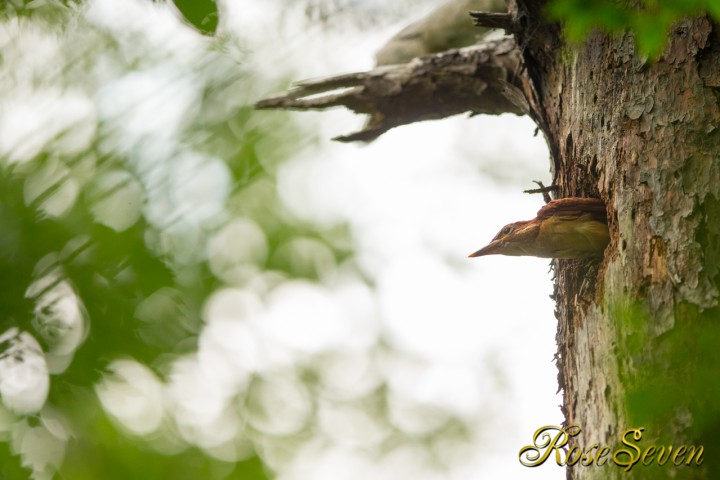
{"type": "Point", "coordinates": [462, 348]}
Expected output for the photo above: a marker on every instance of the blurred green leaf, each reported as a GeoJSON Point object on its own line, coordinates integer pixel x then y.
{"type": "Point", "coordinates": [202, 14]}
{"type": "Point", "coordinates": [650, 22]}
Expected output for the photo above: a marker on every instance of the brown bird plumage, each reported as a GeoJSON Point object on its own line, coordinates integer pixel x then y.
{"type": "Point", "coordinates": [564, 228]}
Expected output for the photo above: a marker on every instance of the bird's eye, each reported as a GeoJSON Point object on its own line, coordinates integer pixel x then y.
{"type": "Point", "coordinates": [507, 230]}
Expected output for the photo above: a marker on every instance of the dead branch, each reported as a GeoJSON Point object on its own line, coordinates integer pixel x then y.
{"type": "Point", "coordinates": [502, 20]}
{"type": "Point", "coordinates": [484, 78]}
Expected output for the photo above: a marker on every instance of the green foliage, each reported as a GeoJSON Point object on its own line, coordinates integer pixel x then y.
{"type": "Point", "coordinates": [649, 20]}
{"type": "Point", "coordinates": [202, 14]}
{"type": "Point", "coordinates": [140, 284]}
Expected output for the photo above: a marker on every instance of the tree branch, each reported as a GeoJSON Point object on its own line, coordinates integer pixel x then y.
{"type": "Point", "coordinates": [484, 78]}
{"type": "Point", "coordinates": [494, 20]}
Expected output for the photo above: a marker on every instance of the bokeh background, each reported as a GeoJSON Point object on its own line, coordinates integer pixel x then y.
{"type": "Point", "coordinates": [193, 289]}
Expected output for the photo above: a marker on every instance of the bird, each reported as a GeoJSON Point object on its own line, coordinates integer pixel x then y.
{"type": "Point", "coordinates": [448, 26]}
{"type": "Point", "coordinates": [571, 227]}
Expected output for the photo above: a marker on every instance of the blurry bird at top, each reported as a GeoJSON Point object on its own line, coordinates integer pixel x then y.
{"type": "Point", "coordinates": [448, 26]}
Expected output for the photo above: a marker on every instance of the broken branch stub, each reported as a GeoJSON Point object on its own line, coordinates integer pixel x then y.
{"type": "Point", "coordinates": [484, 78]}
{"type": "Point", "coordinates": [502, 20]}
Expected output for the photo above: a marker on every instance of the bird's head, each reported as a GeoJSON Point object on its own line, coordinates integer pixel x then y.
{"type": "Point", "coordinates": [513, 239]}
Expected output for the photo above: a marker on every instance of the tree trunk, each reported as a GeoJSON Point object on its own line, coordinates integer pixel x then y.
{"type": "Point", "coordinates": [638, 335]}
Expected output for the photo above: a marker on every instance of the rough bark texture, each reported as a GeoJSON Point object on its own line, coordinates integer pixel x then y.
{"type": "Point", "coordinates": [637, 335]}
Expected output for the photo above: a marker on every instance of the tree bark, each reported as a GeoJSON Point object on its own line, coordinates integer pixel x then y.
{"type": "Point", "coordinates": [638, 334]}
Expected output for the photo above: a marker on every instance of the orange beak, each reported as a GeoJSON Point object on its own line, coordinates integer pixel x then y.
{"type": "Point", "coordinates": [492, 248]}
